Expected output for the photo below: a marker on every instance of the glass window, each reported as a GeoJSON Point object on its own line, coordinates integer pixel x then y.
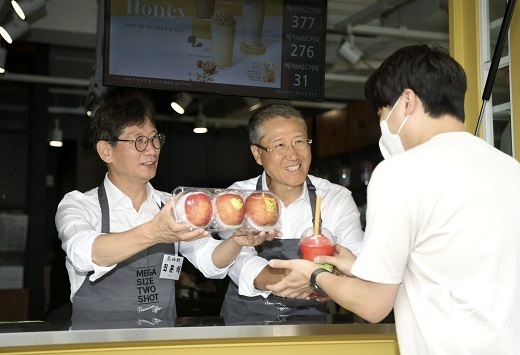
{"type": "Point", "coordinates": [498, 112]}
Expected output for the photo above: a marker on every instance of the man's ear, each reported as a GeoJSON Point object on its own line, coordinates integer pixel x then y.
{"type": "Point", "coordinates": [410, 100]}
{"type": "Point", "coordinates": [104, 150]}
{"type": "Point", "coordinates": [256, 154]}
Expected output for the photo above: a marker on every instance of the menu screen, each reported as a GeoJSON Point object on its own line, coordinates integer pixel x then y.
{"type": "Point", "coordinates": [256, 48]}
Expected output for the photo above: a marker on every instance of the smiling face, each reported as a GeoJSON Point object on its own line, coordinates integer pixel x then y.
{"type": "Point", "coordinates": [287, 171]}
{"type": "Point", "coordinates": [125, 164]}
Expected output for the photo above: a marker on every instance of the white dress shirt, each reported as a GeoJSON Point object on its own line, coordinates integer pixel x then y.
{"type": "Point", "coordinates": [339, 215]}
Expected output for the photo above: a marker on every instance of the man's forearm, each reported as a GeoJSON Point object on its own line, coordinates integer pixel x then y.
{"type": "Point", "coordinates": [268, 276]}
{"type": "Point", "coordinates": [225, 253]}
{"type": "Point", "coordinates": [112, 248]}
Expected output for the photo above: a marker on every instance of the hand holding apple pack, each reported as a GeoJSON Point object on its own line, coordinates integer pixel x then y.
{"type": "Point", "coordinates": [219, 210]}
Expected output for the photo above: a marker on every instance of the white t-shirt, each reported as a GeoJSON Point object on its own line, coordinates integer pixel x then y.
{"type": "Point", "coordinates": [78, 221]}
{"type": "Point", "coordinates": [443, 219]}
{"type": "Point", "coordinates": [339, 215]}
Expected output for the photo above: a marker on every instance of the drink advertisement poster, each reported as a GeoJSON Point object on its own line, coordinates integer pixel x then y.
{"type": "Point", "coordinates": [257, 48]}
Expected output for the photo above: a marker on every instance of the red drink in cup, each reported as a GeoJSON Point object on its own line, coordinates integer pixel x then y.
{"type": "Point", "coordinates": [313, 245]}
{"type": "Point", "coordinates": [317, 244]}
{"type": "Point", "coordinates": [310, 251]}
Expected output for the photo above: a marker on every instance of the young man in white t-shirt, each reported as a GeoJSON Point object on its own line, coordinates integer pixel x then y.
{"type": "Point", "coordinates": [442, 242]}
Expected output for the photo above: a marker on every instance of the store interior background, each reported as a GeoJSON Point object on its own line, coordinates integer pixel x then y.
{"type": "Point", "coordinates": [52, 75]}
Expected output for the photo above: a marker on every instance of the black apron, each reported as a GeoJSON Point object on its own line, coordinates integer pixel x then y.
{"type": "Point", "coordinates": [132, 291]}
{"type": "Point", "coordinates": [238, 309]}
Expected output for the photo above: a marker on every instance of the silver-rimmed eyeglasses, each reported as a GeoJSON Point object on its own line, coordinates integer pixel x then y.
{"type": "Point", "coordinates": [282, 149]}
{"type": "Point", "coordinates": [141, 142]}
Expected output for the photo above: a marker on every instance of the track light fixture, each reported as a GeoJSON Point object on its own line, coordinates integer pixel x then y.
{"type": "Point", "coordinates": [13, 29]}
{"type": "Point", "coordinates": [181, 102]}
{"type": "Point", "coordinates": [3, 55]}
{"type": "Point", "coordinates": [25, 8]}
{"type": "Point", "coordinates": [56, 136]}
{"type": "Point", "coordinates": [252, 103]}
{"type": "Point", "coordinates": [200, 121]}
{"type": "Point", "coordinates": [349, 51]}
{"type": "Point", "coordinates": [92, 104]}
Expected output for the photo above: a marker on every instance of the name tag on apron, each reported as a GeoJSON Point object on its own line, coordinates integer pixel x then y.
{"type": "Point", "coordinates": [171, 267]}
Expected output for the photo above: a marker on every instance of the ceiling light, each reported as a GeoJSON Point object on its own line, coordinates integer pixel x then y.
{"type": "Point", "coordinates": [181, 102]}
{"type": "Point", "coordinates": [200, 122]}
{"type": "Point", "coordinates": [13, 29]}
{"type": "Point", "coordinates": [25, 8]}
{"type": "Point", "coordinates": [350, 52]}
{"type": "Point", "coordinates": [56, 138]}
{"type": "Point", "coordinates": [3, 55]}
{"type": "Point", "coordinates": [200, 127]}
{"type": "Point", "coordinates": [252, 103]}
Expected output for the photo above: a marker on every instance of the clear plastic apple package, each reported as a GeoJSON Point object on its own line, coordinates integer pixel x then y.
{"type": "Point", "coordinates": [221, 210]}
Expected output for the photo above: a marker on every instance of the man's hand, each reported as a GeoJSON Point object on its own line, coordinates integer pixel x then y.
{"type": "Point", "coordinates": [270, 275]}
{"type": "Point", "coordinates": [296, 282]}
{"type": "Point", "coordinates": [228, 250]}
{"type": "Point", "coordinates": [342, 260]}
{"type": "Point", "coordinates": [298, 272]}
{"type": "Point", "coordinates": [246, 238]}
{"type": "Point", "coordinates": [164, 228]}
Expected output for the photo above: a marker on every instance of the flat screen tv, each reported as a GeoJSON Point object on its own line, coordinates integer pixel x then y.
{"type": "Point", "coordinates": [255, 48]}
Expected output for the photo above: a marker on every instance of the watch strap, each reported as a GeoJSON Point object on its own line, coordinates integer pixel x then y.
{"type": "Point", "coordinates": [313, 283]}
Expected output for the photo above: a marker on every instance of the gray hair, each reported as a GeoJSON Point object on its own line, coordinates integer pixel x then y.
{"type": "Point", "coordinates": [268, 112]}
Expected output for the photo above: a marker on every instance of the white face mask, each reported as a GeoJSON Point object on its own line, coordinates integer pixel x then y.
{"type": "Point", "coordinates": [390, 144]}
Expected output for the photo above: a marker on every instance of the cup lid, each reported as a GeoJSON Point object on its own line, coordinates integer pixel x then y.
{"type": "Point", "coordinates": [323, 238]}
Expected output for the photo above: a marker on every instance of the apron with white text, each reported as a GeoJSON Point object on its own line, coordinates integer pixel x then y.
{"type": "Point", "coordinates": [242, 309]}
{"type": "Point", "coordinates": [130, 291]}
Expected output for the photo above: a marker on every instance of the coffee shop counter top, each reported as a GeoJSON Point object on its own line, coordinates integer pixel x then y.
{"type": "Point", "coordinates": [197, 335]}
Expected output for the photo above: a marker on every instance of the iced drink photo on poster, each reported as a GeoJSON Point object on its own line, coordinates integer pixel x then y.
{"type": "Point", "coordinates": [205, 9]}
{"type": "Point", "coordinates": [253, 13]}
{"type": "Point", "coordinates": [223, 28]}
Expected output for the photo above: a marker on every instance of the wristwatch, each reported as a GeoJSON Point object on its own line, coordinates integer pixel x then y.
{"type": "Point", "coordinates": [313, 283]}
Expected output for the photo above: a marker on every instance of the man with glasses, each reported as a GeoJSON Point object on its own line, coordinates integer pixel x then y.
{"type": "Point", "coordinates": [279, 143]}
{"type": "Point", "coordinates": [121, 240]}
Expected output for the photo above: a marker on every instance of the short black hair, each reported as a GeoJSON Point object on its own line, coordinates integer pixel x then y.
{"type": "Point", "coordinates": [435, 77]}
{"type": "Point", "coordinates": [119, 109]}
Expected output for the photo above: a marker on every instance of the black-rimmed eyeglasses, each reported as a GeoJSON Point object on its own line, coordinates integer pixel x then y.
{"type": "Point", "coordinates": [282, 149]}
{"type": "Point", "coordinates": [141, 142]}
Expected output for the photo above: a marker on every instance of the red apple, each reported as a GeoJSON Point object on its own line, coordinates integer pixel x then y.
{"type": "Point", "coordinates": [229, 208]}
{"type": "Point", "coordinates": [262, 209]}
{"type": "Point", "coordinates": [198, 208]}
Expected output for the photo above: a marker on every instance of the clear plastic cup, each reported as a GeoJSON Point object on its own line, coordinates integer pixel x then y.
{"type": "Point", "coordinates": [313, 245]}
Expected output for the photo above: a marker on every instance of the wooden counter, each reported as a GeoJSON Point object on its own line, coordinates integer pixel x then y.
{"type": "Point", "coordinates": [194, 337]}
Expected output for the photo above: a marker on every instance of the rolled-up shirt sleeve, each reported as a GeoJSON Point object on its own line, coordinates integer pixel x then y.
{"type": "Point", "coordinates": [251, 267]}
{"type": "Point", "coordinates": [199, 252]}
{"type": "Point", "coordinates": [245, 269]}
{"type": "Point", "coordinates": [78, 226]}
{"type": "Point", "coordinates": [248, 264]}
